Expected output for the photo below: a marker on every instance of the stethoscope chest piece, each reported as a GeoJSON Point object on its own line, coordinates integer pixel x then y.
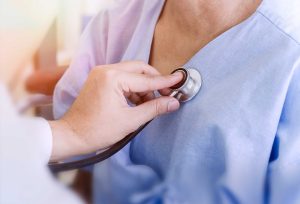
{"type": "Point", "coordinates": [189, 86]}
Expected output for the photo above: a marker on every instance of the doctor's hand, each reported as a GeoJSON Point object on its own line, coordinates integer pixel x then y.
{"type": "Point", "coordinates": [101, 115]}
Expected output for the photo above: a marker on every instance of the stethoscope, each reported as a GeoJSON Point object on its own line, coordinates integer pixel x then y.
{"type": "Point", "coordinates": [184, 91]}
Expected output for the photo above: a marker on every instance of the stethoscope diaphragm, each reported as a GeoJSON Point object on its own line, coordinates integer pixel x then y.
{"type": "Point", "coordinates": [189, 86]}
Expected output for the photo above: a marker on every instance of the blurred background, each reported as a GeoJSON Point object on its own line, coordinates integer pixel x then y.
{"type": "Point", "coordinates": [51, 29]}
{"type": "Point", "coordinates": [37, 41]}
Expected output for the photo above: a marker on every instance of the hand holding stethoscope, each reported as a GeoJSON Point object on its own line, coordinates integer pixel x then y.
{"type": "Point", "coordinates": [101, 116]}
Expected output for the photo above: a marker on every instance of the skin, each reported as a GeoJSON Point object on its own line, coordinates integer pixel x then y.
{"type": "Point", "coordinates": [87, 126]}
{"type": "Point", "coordinates": [184, 28]}
{"type": "Point", "coordinates": [191, 25]}
{"type": "Point", "coordinates": [101, 116]}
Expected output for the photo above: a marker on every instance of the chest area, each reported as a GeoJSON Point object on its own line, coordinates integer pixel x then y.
{"type": "Point", "coordinates": [235, 104]}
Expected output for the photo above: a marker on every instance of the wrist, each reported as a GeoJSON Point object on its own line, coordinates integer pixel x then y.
{"type": "Point", "coordinates": [65, 141]}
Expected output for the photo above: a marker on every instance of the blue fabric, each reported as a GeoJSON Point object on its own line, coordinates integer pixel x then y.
{"type": "Point", "coordinates": [218, 147]}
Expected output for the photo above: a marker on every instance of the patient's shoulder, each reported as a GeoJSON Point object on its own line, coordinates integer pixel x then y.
{"type": "Point", "coordinates": [285, 15]}
{"type": "Point", "coordinates": [117, 22]}
{"type": "Point", "coordinates": [126, 14]}
{"type": "Point", "coordinates": [120, 11]}
{"type": "Point", "coordinates": [116, 13]}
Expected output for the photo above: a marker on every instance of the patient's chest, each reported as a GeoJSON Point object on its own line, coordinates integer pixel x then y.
{"type": "Point", "coordinates": [234, 108]}
{"type": "Point", "coordinates": [234, 117]}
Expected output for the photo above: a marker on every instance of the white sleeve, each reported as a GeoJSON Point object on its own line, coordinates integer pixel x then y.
{"type": "Point", "coordinates": [25, 149]}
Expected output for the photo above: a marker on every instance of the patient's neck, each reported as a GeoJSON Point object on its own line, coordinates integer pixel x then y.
{"type": "Point", "coordinates": [207, 17]}
{"type": "Point", "coordinates": [186, 26]}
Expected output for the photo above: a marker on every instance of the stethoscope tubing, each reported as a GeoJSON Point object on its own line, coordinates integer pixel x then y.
{"type": "Point", "coordinates": [58, 167]}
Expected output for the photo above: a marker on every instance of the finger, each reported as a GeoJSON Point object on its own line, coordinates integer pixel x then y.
{"type": "Point", "coordinates": [131, 82]}
{"type": "Point", "coordinates": [138, 67]}
{"type": "Point", "coordinates": [151, 109]}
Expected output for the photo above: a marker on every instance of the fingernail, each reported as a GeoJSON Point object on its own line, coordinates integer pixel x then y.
{"type": "Point", "coordinates": [173, 105]}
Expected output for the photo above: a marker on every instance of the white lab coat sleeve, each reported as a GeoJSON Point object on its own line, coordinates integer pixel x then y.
{"type": "Point", "coordinates": [25, 149]}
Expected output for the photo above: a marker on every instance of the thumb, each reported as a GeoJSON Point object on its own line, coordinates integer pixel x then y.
{"type": "Point", "coordinates": [150, 109]}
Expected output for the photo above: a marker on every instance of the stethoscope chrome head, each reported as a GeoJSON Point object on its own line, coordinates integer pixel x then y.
{"type": "Point", "coordinates": [189, 86]}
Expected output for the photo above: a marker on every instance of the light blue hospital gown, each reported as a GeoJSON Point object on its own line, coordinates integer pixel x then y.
{"type": "Point", "coordinates": [238, 141]}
